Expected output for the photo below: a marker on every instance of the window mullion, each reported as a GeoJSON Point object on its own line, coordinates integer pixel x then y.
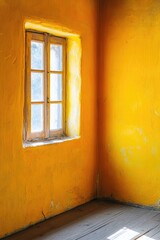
{"type": "Point", "coordinates": [46, 127]}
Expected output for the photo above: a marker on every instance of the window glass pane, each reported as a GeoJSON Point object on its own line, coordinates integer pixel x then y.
{"type": "Point", "coordinates": [55, 116]}
{"type": "Point", "coordinates": [37, 55]}
{"type": "Point", "coordinates": [55, 57]}
{"type": "Point", "coordinates": [56, 87]}
{"type": "Point", "coordinates": [37, 87]}
{"type": "Point", "coordinates": [36, 118]}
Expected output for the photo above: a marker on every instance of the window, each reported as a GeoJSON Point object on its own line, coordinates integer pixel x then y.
{"type": "Point", "coordinates": [45, 86]}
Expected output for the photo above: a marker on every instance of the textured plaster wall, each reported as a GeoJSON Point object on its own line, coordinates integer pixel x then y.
{"type": "Point", "coordinates": [50, 179]}
{"type": "Point", "coordinates": [121, 68]}
{"type": "Point", "coordinates": [129, 101]}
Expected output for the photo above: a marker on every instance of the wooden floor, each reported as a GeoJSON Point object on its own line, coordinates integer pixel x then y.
{"type": "Point", "coordinates": [97, 220]}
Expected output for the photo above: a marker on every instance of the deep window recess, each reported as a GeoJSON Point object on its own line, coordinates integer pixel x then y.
{"type": "Point", "coordinates": [45, 86]}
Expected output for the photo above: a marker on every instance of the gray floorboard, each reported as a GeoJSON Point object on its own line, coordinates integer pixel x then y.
{"type": "Point", "coordinates": [97, 220]}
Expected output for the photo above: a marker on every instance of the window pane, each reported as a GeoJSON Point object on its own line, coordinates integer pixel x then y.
{"type": "Point", "coordinates": [56, 87]}
{"type": "Point", "coordinates": [36, 118]}
{"type": "Point", "coordinates": [55, 57]}
{"type": "Point", "coordinates": [37, 52]}
{"type": "Point", "coordinates": [55, 116]}
{"type": "Point", "coordinates": [37, 87]}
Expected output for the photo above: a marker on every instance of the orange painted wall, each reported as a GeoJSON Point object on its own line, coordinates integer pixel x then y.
{"type": "Point", "coordinates": [54, 178]}
{"type": "Point", "coordinates": [121, 69]}
{"type": "Point", "coordinates": [129, 101]}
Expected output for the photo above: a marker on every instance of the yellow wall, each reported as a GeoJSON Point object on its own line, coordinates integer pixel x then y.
{"type": "Point", "coordinates": [54, 178]}
{"type": "Point", "coordinates": [129, 101]}
{"type": "Point", "coordinates": [50, 179]}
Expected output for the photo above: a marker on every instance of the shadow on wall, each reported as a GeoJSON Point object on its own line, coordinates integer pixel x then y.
{"type": "Point", "coordinates": [109, 11]}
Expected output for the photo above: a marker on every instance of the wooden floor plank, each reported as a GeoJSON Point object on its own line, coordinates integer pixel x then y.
{"type": "Point", "coordinates": [150, 235]}
{"type": "Point", "coordinates": [97, 220]}
{"type": "Point", "coordinates": [133, 219]}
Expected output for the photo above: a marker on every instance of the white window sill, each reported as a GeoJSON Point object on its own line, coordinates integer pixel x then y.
{"type": "Point", "coordinates": [48, 142]}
